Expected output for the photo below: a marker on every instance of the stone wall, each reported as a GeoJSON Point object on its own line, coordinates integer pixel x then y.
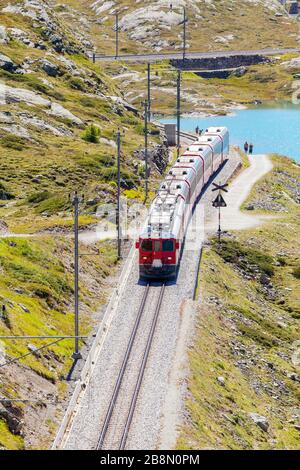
{"type": "Point", "coordinates": [219, 63]}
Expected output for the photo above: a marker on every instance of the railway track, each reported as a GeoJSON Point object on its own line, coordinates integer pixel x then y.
{"type": "Point", "coordinates": [123, 402]}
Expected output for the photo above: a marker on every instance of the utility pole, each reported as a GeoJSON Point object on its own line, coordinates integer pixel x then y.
{"type": "Point", "coordinates": [149, 91]}
{"type": "Point", "coordinates": [184, 23]}
{"type": "Point", "coordinates": [117, 34]}
{"type": "Point", "coordinates": [146, 148]}
{"type": "Point", "coordinates": [119, 194]}
{"type": "Point", "coordinates": [76, 201]}
{"type": "Point", "coordinates": [178, 111]}
{"type": "Point", "coordinates": [184, 32]}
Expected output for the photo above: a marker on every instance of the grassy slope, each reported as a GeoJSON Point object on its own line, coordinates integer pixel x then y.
{"type": "Point", "coordinates": [266, 83]}
{"type": "Point", "coordinates": [245, 333]}
{"type": "Point", "coordinates": [36, 283]}
{"type": "Point", "coordinates": [44, 284]}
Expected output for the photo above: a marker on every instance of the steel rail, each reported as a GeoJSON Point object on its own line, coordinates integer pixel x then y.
{"type": "Point", "coordinates": [122, 371]}
{"type": "Point", "coordinates": [141, 371]}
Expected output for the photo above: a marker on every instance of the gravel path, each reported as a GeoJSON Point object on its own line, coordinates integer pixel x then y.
{"type": "Point", "coordinates": [159, 404]}
{"type": "Point", "coordinates": [232, 217]}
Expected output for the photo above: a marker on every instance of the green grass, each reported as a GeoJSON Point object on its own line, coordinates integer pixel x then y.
{"type": "Point", "coordinates": [296, 272]}
{"type": "Point", "coordinates": [5, 193]}
{"type": "Point", "coordinates": [92, 134]}
{"type": "Point", "coordinates": [248, 327]}
{"type": "Point", "coordinates": [14, 142]}
{"type": "Point", "coordinates": [8, 440]}
{"type": "Point", "coordinates": [245, 257]}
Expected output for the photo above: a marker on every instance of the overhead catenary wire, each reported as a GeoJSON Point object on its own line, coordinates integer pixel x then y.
{"type": "Point", "coordinates": [16, 359]}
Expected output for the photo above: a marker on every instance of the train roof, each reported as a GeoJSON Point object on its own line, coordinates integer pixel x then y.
{"type": "Point", "coordinates": [216, 130]}
{"type": "Point", "coordinates": [161, 222]}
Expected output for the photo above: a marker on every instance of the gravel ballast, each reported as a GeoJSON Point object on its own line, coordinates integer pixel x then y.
{"type": "Point", "coordinates": [155, 419]}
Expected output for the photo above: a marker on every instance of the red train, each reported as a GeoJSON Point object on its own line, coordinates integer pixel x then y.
{"type": "Point", "coordinates": [162, 238]}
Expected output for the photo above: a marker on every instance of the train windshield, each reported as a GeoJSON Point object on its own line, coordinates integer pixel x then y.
{"type": "Point", "coordinates": [168, 245]}
{"type": "Point", "coordinates": [146, 245]}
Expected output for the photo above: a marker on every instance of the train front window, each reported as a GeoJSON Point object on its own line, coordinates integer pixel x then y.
{"type": "Point", "coordinates": [157, 245]}
{"type": "Point", "coordinates": [168, 245]}
{"type": "Point", "coordinates": [146, 245]}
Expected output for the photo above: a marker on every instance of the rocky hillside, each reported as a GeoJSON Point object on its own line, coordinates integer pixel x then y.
{"type": "Point", "coordinates": [213, 24]}
{"type": "Point", "coordinates": [59, 115]}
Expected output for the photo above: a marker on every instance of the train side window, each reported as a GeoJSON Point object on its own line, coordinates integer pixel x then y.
{"type": "Point", "coordinates": [168, 245]}
{"type": "Point", "coordinates": [146, 245]}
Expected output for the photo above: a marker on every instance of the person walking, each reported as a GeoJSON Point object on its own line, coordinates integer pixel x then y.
{"type": "Point", "coordinates": [250, 149]}
{"type": "Point", "coordinates": [246, 147]}
{"type": "Point", "coordinates": [197, 130]}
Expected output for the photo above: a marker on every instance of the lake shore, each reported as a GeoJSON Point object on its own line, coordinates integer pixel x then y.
{"type": "Point", "coordinates": [272, 130]}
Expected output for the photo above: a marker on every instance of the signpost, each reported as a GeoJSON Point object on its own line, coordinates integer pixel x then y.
{"type": "Point", "coordinates": [219, 202]}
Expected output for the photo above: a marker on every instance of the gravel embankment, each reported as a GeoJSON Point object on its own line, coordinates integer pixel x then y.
{"type": "Point", "coordinates": [159, 404]}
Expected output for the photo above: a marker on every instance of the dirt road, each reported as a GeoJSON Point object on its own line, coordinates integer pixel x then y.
{"type": "Point", "coordinates": [232, 217]}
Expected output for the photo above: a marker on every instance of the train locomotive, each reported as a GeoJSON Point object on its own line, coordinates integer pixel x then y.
{"type": "Point", "coordinates": [162, 238]}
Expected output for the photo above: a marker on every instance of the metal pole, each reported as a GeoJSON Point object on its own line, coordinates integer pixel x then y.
{"type": "Point", "coordinates": [119, 195]}
{"type": "Point", "coordinates": [178, 111]}
{"type": "Point", "coordinates": [146, 149]}
{"type": "Point", "coordinates": [76, 355]}
{"type": "Point", "coordinates": [219, 231]}
{"type": "Point", "coordinates": [94, 57]}
{"type": "Point", "coordinates": [149, 92]}
{"type": "Point", "coordinates": [184, 32]}
{"type": "Point", "coordinates": [117, 35]}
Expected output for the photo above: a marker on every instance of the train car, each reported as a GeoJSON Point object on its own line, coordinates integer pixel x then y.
{"type": "Point", "coordinates": [162, 238]}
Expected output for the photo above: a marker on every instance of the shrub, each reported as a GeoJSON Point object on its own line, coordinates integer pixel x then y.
{"type": "Point", "coordinates": [38, 197]}
{"type": "Point", "coordinates": [296, 272]}
{"type": "Point", "coordinates": [4, 193]}
{"type": "Point", "coordinates": [77, 84]}
{"type": "Point", "coordinates": [52, 205]}
{"type": "Point", "coordinates": [258, 336]}
{"type": "Point", "coordinates": [128, 179]}
{"type": "Point", "coordinates": [140, 129]}
{"type": "Point", "coordinates": [92, 134]}
{"type": "Point", "coordinates": [244, 257]}
{"type": "Point", "coordinates": [87, 102]}
{"type": "Point", "coordinates": [13, 142]}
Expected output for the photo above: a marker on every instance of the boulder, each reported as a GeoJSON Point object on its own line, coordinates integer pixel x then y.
{"type": "Point", "coordinates": [51, 69]}
{"type": "Point", "coordinates": [7, 64]}
{"type": "Point", "coordinates": [240, 72]}
{"type": "Point", "coordinates": [125, 104]}
{"type": "Point", "coordinates": [13, 421]}
{"type": "Point", "coordinates": [35, 351]}
{"type": "Point", "coordinates": [3, 35]}
{"type": "Point", "coordinates": [221, 381]}
{"type": "Point", "coordinates": [3, 226]}
{"type": "Point", "coordinates": [24, 308]}
{"type": "Point", "coordinates": [261, 421]}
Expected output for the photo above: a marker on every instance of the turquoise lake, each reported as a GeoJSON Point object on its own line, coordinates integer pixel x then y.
{"type": "Point", "coordinates": [271, 130]}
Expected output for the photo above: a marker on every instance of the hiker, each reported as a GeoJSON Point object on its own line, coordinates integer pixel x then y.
{"type": "Point", "coordinates": [246, 147]}
{"type": "Point", "coordinates": [251, 149]}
